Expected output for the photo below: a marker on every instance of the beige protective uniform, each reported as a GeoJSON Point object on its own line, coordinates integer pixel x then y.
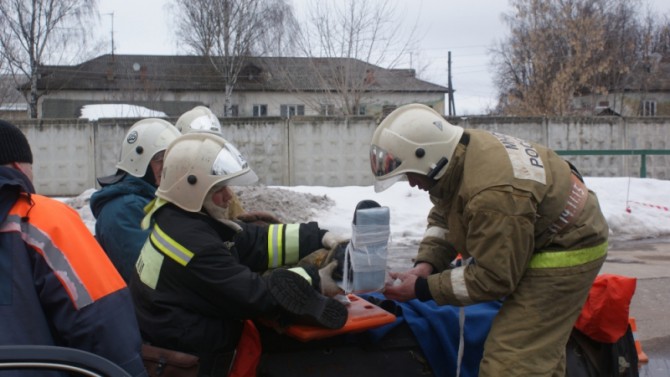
{"type": "Point", "coordinates": [537, 237]}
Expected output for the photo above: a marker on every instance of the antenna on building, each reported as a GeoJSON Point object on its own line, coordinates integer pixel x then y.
{"type": "Point", "coordinates": [112, 29]}
{"type": "Point", "coordinates": [452, 105]}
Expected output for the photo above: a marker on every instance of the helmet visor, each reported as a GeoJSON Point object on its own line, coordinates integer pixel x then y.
{"type": "Point", "coordinates": [235, 170]}
{"type": "Point", "coordinates": [205, 123]}
{"type": "Point", "coordinates": [229, 161]}
{"type": "Point", "coordinates": [382, 162]}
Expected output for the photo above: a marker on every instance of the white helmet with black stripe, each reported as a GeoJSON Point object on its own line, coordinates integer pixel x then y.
{"type": "Point", "coordinates": [414, 138]}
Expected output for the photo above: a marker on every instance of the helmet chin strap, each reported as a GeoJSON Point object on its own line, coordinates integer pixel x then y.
{"type": "Point", "coordinates": [438, 167]}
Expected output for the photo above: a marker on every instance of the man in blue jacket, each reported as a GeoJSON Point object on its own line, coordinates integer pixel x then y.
{"type": "Point", "coordinates": [119, 205]}
{"type": "Point", "coordinates": [57, 286]}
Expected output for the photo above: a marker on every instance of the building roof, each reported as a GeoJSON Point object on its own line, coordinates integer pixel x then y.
{"type": "Point", "coordinates": [196, 73]}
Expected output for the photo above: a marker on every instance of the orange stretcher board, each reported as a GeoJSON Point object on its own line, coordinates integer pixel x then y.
{"type": "Point", "coordinates": [363, 315]}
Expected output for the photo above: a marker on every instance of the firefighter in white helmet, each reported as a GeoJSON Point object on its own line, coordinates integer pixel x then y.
{"type": "Point", "coordinates": [200, 273]}
{"type": "Point", "coordinates": [202, 119]}
{"type": "Point", "coordinates": [119, 205]}
{"type": "Point", "coordinates": [521, 214]}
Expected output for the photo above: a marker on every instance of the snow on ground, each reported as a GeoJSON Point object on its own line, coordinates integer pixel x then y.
{"type": "Point", "coordinates": [635, 208]}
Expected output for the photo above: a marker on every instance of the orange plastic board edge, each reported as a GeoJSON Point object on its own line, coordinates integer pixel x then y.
{"type": "Point", "coordinates": [363, 315]}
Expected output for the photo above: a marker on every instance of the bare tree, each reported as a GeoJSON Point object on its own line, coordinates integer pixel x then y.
{"type": "Point", "coordinates": [36, 32]}
{"type": "Point", "coordinates": [558, 49]}
{"type": "Point", "coordinates": [229, 31]}
{"type": "Point", "coordinates": [654, 36]}
{"type": "Point", "coordinates": [281, 30]}
{"type": "Point", "coordinates": [354, 36]}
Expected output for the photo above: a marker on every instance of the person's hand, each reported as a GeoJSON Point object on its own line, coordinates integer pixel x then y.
{"type": "Point", "coordinates": [401, 287]}
{"type": "Point", "coordinates": [328, 286]}
{"type": "Point", "coordinates": [258, 218]}
{"type": "Point", "coordinates": [422, 270]}
{"type": "Point", "coordinates": [331, 240]}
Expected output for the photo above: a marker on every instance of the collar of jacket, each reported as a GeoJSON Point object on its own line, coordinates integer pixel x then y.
{"type": "Point", "coordinates": [154, 205]}
{"type": "Point", "coordinates": [13, 184]}
{"type": "Point", "coordinates": [10, 177]}
{"type": "Point", "coordinates": [448, 185]}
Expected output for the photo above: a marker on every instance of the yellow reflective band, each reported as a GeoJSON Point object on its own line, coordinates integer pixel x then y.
{"type": "Point", "coordinates": [149, 265]}
{"type": "Point", "coordinates": [170, 247]}
{"type": "Point", "coordinates": [292, 244]}
{"type": "Point", "coordinates": [301, 271]}
{"type": "Point", "coordinates": [553, 259]}
{"type": "Point", "coordinates": [275, 245]}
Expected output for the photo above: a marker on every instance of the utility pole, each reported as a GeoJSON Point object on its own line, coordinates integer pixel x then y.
{"type": "Point", "coordinates": [452, 105]}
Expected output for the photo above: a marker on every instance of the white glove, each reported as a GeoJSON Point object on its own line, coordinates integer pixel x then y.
{"type": "Point", "coordinates": [330, 240]}
{"type": "Point", "coordinates": [328, 286]}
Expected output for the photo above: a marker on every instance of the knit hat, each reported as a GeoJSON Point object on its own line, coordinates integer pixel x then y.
{"type": "Point", "coordinates": [14, 146]}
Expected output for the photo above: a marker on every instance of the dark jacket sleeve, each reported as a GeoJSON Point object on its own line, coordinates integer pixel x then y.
{"type": "Point", "coordinates": [254, 244]}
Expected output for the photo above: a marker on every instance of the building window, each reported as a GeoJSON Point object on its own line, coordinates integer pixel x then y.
{"type": "Point", "coordinates": [648, 108]}
{"type": "Point", "coordinates": [260, 110]}
{"type": "Point", "coordinates": [359, 110]}
{"type": "Point", "coordinates": [327, 109]}
{"type": "Point", "coordinates": [291, 110]}
{"type": "Point", "coordinates": [234, 111]}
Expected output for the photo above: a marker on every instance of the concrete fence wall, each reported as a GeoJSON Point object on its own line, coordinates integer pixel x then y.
{"type": "Point", "coordinates": [332, 151]}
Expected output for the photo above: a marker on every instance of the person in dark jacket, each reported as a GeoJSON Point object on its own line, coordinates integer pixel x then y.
{"type": "Point", "coordinates": [57, 286]}
{"type": "Point", "coordinates": [119, 205]}
{"type": "Point", "coordinates": [201, 274]}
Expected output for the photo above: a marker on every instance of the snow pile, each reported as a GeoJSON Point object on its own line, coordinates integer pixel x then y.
{"type": "Point", "coordinates": [95, 112]}
{"type": "Point", "coordinates": [289, 206]}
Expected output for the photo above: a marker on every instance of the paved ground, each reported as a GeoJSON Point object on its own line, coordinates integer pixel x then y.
{"type": "Point", "coordinates": [649, 262]}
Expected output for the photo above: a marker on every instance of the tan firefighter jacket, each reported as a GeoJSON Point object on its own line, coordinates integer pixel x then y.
{"type": "Point", "coordinates": [510, 205]}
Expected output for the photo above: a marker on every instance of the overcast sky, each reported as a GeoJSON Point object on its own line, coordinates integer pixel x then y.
{"type": "Point", "coordinates": [467, 28]}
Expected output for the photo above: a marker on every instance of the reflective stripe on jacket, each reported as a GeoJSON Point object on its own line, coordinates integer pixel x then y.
{"type": "Point", "coordinates": [67, 250]}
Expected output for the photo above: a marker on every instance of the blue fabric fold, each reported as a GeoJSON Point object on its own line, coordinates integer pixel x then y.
{"type": "Point", "coordinates": [436, 329]}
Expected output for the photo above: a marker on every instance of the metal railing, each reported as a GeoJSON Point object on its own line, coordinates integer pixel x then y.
{"type": "Point", "coordinates": [643, 153]}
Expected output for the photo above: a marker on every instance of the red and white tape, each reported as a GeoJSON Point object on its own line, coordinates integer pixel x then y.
{"type": "Point", "coordinates": [662, 208]}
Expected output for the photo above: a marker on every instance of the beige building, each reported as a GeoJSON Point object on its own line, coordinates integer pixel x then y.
{"type": "Point", "coordinates": [645, 93]}
{"type": "Point", "coordinates": [265, 87]}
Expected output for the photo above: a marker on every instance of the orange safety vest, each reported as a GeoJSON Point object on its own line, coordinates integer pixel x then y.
{"type": "Point", "coordinates": [56, 232]}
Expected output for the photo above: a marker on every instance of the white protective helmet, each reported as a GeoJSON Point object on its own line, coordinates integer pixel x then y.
{"type": "Point", "coordinates": [143, 140]}
{"type": "Point", "coordinates": [198, 119]}
{"type": "Point", "coordinates": [195, 163]}
{"type": "Point", "coordinates": [412, 139]}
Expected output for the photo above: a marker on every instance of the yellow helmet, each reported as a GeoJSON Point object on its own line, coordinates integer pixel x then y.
{"type": "Point", "coordinates": [143, 140]}
{"type": "Point", "coordinates": [196, 162]}
{"type": "Point", "coordinates": [200, 118]}
{"type": "Point", "coordinates": [412, 139]}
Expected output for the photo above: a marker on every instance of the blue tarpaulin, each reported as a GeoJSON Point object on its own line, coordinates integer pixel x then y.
{"type": "Point", "coordinates": [436, 329]}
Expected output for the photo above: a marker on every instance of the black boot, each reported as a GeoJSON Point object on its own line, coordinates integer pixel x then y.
{"type": "Point", "coordinates": [303, 303]}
